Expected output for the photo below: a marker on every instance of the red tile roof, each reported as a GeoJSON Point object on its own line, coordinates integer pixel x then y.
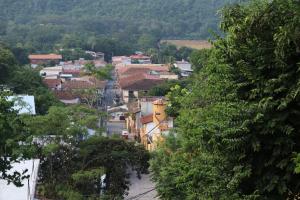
{"type": "Point", "coordinates": [45, 57]}
{"type": "Point", "coordinates": [71, 71]}
{"type": "Point", "coordinates": [52, 83]}
{"type": "Point", "coordinates": [65, 95]}
{"type": "Point", "coordinates": [139, 82]}
{"type": "Point", "coordinates": [139, 57]}
{"type": "Point", "coordinates": [147, 119]}
{"type": "Point", "coordinates": [123, 69]}
{"type": "Point", "coordinates": [82, 84]}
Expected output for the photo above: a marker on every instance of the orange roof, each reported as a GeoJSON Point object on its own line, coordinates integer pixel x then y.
{"type": "Point", "coordinates": [45, 57]}
{"type": "Point", "coordinates": [52, 83]}
{"type": "Point", "coordinates": [139, 82]}
{"type": "Point", "coordinates": [147, 119]}
{"type": "Point", "coordinates": [81, 84]}
{"type": "Point", "coordinates": [139, 57]}
{"type": "Point", "coordinates": [64, 95]}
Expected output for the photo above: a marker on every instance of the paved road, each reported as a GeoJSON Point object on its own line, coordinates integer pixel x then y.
{"type": "Point", "coordinates": [115, 127]}
{"type": "Point", "coordinates": [141, 189]}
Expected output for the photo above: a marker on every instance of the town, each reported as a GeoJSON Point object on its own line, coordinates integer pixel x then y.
{"type": "Point", "coordinates": [122, 92]}
{"type": "Point", "coordinates": [149, 100]}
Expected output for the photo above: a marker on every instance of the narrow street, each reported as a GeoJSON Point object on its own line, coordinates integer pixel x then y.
{"type": "Point", "coordinates": [109, 101]}
{"type": "Point", "coordinates": [140, 189]}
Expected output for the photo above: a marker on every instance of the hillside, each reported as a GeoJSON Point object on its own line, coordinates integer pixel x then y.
{"type": "Point", "coordinates": [168, 18]}
{"type": "Point", "coordinates": [115, 27]}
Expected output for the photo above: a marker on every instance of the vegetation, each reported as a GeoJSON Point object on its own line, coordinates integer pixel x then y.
{"type": "Point", "coordinates": [237, 134]}
{"type": "Point", "coordinates": [73, 162]}
{"type": "Point", "coordinates": [108, 26]}
{"type": "Point", "coordinates": [76, 161]}
{"type": "Point", "coordinates": [12, 132]}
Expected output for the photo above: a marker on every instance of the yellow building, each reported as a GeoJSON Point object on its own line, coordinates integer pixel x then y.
{"type": "Point", "coordinates": [155, 125]}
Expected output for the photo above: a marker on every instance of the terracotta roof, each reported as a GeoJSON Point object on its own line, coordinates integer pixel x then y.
{"type": "Point", "coordinates": [52, 83]}
{"type": "Point", "coordinates": [65, 95]}
{"type": "Point", "coordinates": [45, 57]}
{"type": "Point", "coordinates": [124, 68]}
{"type": "Point", "coordinates": [139, 57]}
{"type": "Point", "coordinates": [83, 84]}
{"type": "Point", "coordinates": [147, 119]}
{"type": "Point", "coordinates": [138, 82]}
{"type": "Point", "coordinates": [71, 71]}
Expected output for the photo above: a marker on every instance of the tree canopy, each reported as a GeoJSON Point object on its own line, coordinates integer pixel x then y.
{"type": "Point", "coordinates": [237, 130]}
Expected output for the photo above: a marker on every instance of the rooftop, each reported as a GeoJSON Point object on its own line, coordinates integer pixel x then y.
{"type": "Point", "coordinates": [45, 57]}
{"type": "Point", "coordinates": [147, 119]}
{"type": "Point", "coordinates": [139, 82]}
{"type": "Point", "coordinates": [52, 83]}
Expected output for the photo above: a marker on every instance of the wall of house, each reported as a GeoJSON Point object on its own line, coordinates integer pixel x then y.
{"type": "Point", "coordinates": [169, 77]}
{"type": "Point", "coordinates": [125, 95]}
{"type": "Point", "coordinates": [146, 108]}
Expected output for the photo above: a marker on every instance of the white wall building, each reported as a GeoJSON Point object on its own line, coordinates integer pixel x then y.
{"type": "Point", "coordinates": [27, 192]}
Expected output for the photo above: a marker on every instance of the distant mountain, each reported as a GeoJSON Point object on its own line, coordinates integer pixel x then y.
{"type": "Point", "coordinates": [164, 18]}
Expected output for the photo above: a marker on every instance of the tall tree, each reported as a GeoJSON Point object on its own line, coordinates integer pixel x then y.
{"type": "Point", "coordinates": [12, 131]}
{"type": "Point", "coordinates": [238, 128]}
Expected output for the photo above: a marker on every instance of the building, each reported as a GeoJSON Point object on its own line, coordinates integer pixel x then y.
{"type": "Point", "coordinates": [155, 125]}
{"type": "Point", "coordinates": [121, 60]}
{"type": "Point", "coordinates": [185, 68]}
{"type": "Point", "coordinates": [140, 59]}
{"type": "Point", "coordinates": [96, 55]}
{"type": "Point", "coordinates": [135, 79]}
{"type": "Point", "coordinates": [88, 89]}
{"type": "Point", "coordinates": [53, 84]}
{"type": "Point", "coordinates": [28, 190]}
{"type": "Point", "coordinates": [131, 86]}
{"type": "Point", "coordinates": [51, 72]}
{"type": "Point", "coordinates": [67, 97]}
{"type": "Point", "coordinates": [24, 104]}
{"type": "Point", "coordinates": [44, 59]}
{"type": "Point", "coordinates": [138, 109]}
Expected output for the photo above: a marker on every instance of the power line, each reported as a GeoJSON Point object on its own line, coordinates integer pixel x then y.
{"type": "Point", "coordinates": [141, 194]}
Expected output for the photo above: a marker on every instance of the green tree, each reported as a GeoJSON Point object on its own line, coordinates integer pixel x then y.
{"type": "Point", "coordinates": [7, 64]}
{"type": "Point", "coordinates": [26, 80]}
{"type": "Point", "coordinates": [12, 132]}
{"type": "Point", "coordinates": [237, 129]}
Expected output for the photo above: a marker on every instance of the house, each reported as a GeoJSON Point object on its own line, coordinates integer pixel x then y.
{"type": "Point", "coordinates": [136, 78]}
{"type": "Point", "coordinates": [155, 125]}
{"type": "Point", "coordinates": [140, 59]}
{"type": "Point", "coordinates": [121, 60]}
{"type": "Point", "coordinates": [185, 68]}
{"type": "Point", "coordinates": [89, 89]}
{"type": "Point", "coordinates": [53, 84]}
{"type": "Point", "coordinates": [132, 85]}
{"type": "Point", "coordinates": [28, 190]}
{"type": "Point", "coordinates": [67, 97]}
{"type": "Point", "coordinates": [44, 59]}
{"type": "Point", "coordinates": [96, 55]}
{"type": "Point", "coordinates": [24, 104]}
{"type": "Point", "coordinates": [137, 109]}
{"type": "Point", "coordinates": [51, 72]}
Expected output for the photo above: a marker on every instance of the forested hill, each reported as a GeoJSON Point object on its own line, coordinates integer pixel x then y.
{"type": "Point", "coordinates": [167, 18]}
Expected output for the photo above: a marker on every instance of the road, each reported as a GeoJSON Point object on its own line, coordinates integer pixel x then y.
{"type": "Point", "coordinates": [110, 94]}
{"type": "Point", "coordinates": [141, 189]}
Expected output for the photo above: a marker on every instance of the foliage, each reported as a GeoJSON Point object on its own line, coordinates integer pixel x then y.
{"type": "Point", "coordinates": [12, 131]}
{"type": "Point", "coordinates": [25, 80]}
{"type": "Point", "coordinates": [167, 53]}
{"type": "Point", "coordinates": [7, 64]}
{"type": "Point", "coordinates": [166, 87]}
{"type": "Point", "coordinates": [237, 129]}
{"type": "Point", "coordinates": [69, 23]}
{"type": "Point", "coordinates": [199, 59]}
